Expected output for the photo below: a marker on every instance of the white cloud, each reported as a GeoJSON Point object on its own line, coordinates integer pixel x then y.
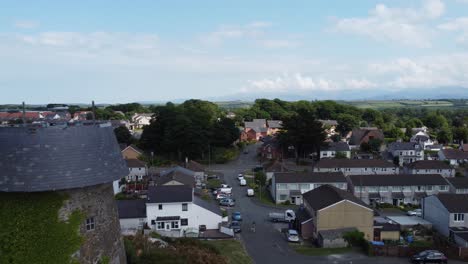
{"type": "Point", "coordinates": [459, 25]}
{"type": "Point", "coordinates": [400, 25]}
{"type": "Point", "coordinates": [26, 24]}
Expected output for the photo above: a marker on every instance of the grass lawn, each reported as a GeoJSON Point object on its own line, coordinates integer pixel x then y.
{"type": "Point", "coordinates": [232, 249]}
{"type": "Point", "coordinates": [313, 251]}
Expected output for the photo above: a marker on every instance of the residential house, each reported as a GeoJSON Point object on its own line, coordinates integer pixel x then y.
{"type": "Point", "coordinates": [405, 152]}
{"type": "Point", "coordinates": [448, 214]}
{"type": "Point", "coordinates": [139, 120]}
{"type": "Point", "coordinates": [274, 126]}
{"type": "Point", "coordinates": [435, 147]}
{"type": "Point", "coordinates": [416, 130]}
{"type": "Point", "coordinates": [270, 149]}
{"type": "Point", "coordinates": [198, 170]}
{"type": "Point", "coordinates": [132, 215]}
{"type": "Point", "coordinates": [329, 126]}
{"type": "Point", "coordinates": [356, 166]}
{"type": "Point", "coordinates": [137, 170]}
{"type": "Point", "coordinates": [82, 115]}
{"type": "Point", "coordinates": [386, 230]}
{"type": "Point", "coordinates": [131, 152]}
{"type": "Point", "coordinates": [430, 167]}
{"type": "Point", "coordinates": [331, 208]}
{"type": "Point", "coordinates": [454, 156]}
{"type": "Point", "coordinates": [175, 211]}
{"type": "Point", "coordinates": [364, 134]}
{"type": "Point", "coordinates": [396, 189]}
{"type": "Point", "coordinates": [458, 185]}
{"type": "Point", "coordinates": [179, 172]}
{"type": "Point", "coordinates": [332, 148]}
{"type": "Point", "coordinates": [289, 186]}
{"type": "Point", "coordinates": [260, 128]}
{"type": "Point", "coordinates": [176, 176]}
{"type": "Point", "coordinates": [423, 139]}
{"type": "Point", "coordinates": [273, 167]}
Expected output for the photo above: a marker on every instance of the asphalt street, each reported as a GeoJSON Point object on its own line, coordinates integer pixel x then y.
{"type": "Point", "coordinates": [268, 244]}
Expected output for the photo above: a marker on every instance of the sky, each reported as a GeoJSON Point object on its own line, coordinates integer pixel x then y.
{"type": "Point", "coordinates": [126, 51]}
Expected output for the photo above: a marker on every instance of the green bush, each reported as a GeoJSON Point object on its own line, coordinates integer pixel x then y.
{"type": "Point", "coordinates": [287, 202]}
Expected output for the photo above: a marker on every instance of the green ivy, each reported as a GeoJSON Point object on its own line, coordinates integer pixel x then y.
{"type": "Point", "coordinates": [31, 231]}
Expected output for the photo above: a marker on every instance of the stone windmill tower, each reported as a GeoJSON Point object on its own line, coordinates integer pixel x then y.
{"type": "Point", "coordinates": [56, 196]}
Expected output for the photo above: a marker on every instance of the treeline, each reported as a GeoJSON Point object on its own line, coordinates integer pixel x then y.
{"type": "Point", "coordinates": [193, 129]}
{"type": "Point", "coordinates": [446, 125]}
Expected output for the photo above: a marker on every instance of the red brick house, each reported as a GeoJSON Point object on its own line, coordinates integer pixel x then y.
{"type": "Point", "coordinates": [364, 134]}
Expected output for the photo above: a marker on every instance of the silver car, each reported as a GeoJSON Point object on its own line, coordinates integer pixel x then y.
{"type": "Point", "coordinates": [227, 202]}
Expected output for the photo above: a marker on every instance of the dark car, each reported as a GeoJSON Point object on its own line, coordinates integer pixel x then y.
{"type": "Point", "coordinates": [429, 256]}
{"type": "Point", "coordinates": [236, 216]}
{"type": "Point", "coordinates": [236, 226]}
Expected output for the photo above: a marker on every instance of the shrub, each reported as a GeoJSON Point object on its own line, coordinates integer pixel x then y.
{"type": "Point", "coordinates": [287, 202]}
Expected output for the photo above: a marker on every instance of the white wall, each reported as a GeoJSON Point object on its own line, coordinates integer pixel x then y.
{"type": "Point", "coordinates": [132, 223]}
{"type": "Point", "coordinates": [359, 171]}
{"type": "Point", "coordinates": [435, 212]}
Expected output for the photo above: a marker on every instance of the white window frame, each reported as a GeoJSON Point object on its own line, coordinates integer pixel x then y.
{"type": "Point", "coordinates": [459, 217]}
{"type": "Point", "coordinates": [90, 224]}
{"type": "Point", "coordinates": [160, 225]}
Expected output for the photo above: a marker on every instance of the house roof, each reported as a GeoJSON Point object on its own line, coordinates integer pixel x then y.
{"type": "Point", "coordinates": [455, 203]}
{"type": "Point", "coordinates": [336, 146]}
{"type": "Point", "coordinates": [176, 176]}
{"type": "Point", "coordinates": [397, 179]}
{"type": "Point", "coordinates": [131, 208]}
{"type": "Point", "coordinates": [403, 146]}
{"type": "Point", "coordinates": [328, 122]}
{"type": "Point", "coordinates": [134, 148]}
{"type": "Point", "coordinates": [354, 163]}
{"type": "Point", "coordinates": [459, 182]}
{"type": "Point", "coordinates": [135, 163]}
{"type": "Point", "coordinates": [43, 159]}
{"type": "Point", "coordinates": [429, 164]}
{"type": "Point", "coordinates": [169, 194]}
{"type": "Point", "coordinates": [207, 205]}
{"type": "Point", "coordinates": [455, 154]}
{"type": "Point", "coordinates": [178, 170]}
{"type": "Point", "coordinates": [195, 166]}
{"type": "Point", "coordinates": [298, 177]}
{"type": "Point", "coordinates": [327, 195]}
{"type": "Point", "coordinates": [275, 123]}
{"type": "Point", "coordinates": [274, 166]}
{"type": "Point", "coordinates": [359, 133]}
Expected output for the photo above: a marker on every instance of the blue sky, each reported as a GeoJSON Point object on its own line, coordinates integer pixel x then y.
{"type": "Point", "coordinates": [124, 51]}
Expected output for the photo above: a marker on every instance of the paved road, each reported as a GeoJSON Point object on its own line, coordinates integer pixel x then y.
{"type": "Point", "coordinates": [268, 244]}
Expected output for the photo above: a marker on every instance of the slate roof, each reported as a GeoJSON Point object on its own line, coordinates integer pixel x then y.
{"type": "Point", "coordinates": [135, 163]}
{"type": "Point", "coordinates": [169, 194]}
{"type": "Point", "coordinates": [395, 146]}
{"type": "Point", "coordinates": [397, 179]}
{"type": "Point", "coordinates": [133, 147]}
{"type": "Point", "coordinates": [274, 166]}
{"type": "Point", "coordinates": [459, 182]}
{"type": "Point", "coordinates": [328, 122]}
{"type": "Point", "coordinates": [359, 133]}
{"type": "Point", "coordinates": [131, 208]}
{"type": "Point", "coordinates": [207, 205]}
{"type": "Point", "coordinates": [455, 203]}
{"type": "Point", "coordinates": [43, 159]}
{"type": "Point", "coordinates": [327, 195]}
{"type": "Point", "coordinates": [303, 177]}
{"type": "Point", "coordinates": [195, 166]}
{"type": "Point", "coordinates": [455, 154]}
{"type": "Point", "coordinates": [429, 164]}
{"type": "Point", "coordinates": [177, 170]}
{"type": "Point", "coordinates": [275, 123]}
{"type": "Point", "coordinates": [354, 163]}
{"type": "Point", "coordinates": [336, 146]}
{"type": "Point", "coordinates": [174, 176]}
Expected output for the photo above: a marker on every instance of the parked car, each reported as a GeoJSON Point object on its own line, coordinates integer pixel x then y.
{"type": "Point", "coordinates": [222, 196]}
{"type": "Point", "coordinates": [242, 182]}
{"type": "Point", "coordinates": [250, 192]}
{"type": "Point", "coordinates": [415, 212]}
{"type": "Point", "coordinates": [227, 202]}
{"type": "Point", "coordinates": [292, 236]}
{"type": "Point", "coordinates": [246, 151]}
{"type": "Point", "coordinates": [240, 176]}
{"type": "Point", "coordinates": [236, 226]}
{"type": "Point", "coordinates": [227, 190]}
{"type": "Point", "coordinates": [236, 216]}
{"type": "Point", "coordinates": [429, 256]}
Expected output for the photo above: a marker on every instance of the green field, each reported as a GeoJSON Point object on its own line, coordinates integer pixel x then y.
{"type": "Point", "coordinates": [233, 250]}
{"type": "Point", "coordinates": [379, 104]}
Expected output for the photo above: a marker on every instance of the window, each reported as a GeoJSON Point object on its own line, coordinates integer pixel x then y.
{"type": "Point", "coordinates": [160, 206]}
{"type": "Point", "coordinates": [373, 189]}
{"type": "Point", "coordinates": [90, 224]}
{"type": "Point", "coordinates": [282, 186]}
{"type": "Point", "coordinates": [357, 189]}
{"type": "Point", "coordinates": [407, 188]}
{"type": "Point", "coordinates": [383, 188]}
{"type": "Point", "coordinates": [429, 188]}
{"type": "Point", "coordinates": [420, 188]}
{"type": "Point", "coordinates": [443, 187]}
{"type": "Point", "coordinates": [283, 197]}
{"type": "Point", "coordinates": [459, 217]}
{"type": "Point", "coordinates": [175, 224]}
{"type": "Point", "coordinates": [304, 186]}
{"type": "Point", "coordinates": [184, 207]}
{"type": "Point", "coordinates": [396, 188]}
{"type": "Point", "coordinates": [184, 222]}
{"type": "Point", "coordinates": [160, 225]}
{"type": "Point", "coordinates": [293, 186]}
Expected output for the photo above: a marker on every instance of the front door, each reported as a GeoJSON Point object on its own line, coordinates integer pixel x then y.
{"type": "Point", "coordinates": [395, 202]}
{"type": "Point", "coordinates": [293, 200]}
{"type": "Point", "coordinates": [168, 226]}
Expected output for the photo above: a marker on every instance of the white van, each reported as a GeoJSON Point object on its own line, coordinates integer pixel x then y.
{"type": "Point", "coordinates": [242, 182]}
{"type": "Point", "coordinates": [250, 192]}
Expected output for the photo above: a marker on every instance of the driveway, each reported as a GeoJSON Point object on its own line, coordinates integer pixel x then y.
{"type": "Point", "coordinates": [268, 244]}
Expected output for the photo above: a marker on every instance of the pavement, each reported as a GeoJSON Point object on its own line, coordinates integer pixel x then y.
{"type": "Point", "coordinates": [268, 244]}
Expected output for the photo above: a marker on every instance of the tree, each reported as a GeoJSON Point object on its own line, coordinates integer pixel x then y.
{"type": "Point", "coordinates": [340, 155]}
{"type": "Point", "coordinates": [260, 178]}
{"type": "Point", "coordinates": [435, 121]}
{"type": "Point", "coordinates": [346, 122]}
{"type": "Point", "coordinates": [123, 135]}
{"type": "Point", "coordinates": [444, 135]}
{"type": "Point", "coordinates": [375, 144]}
{"type": "Point", "coordinates": [303, 133]}
{"type": "Point", "coordinates": [460, 134]}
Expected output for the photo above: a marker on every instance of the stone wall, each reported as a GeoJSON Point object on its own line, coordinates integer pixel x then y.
{"type": "Point", "coordinates": [105, 240]}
